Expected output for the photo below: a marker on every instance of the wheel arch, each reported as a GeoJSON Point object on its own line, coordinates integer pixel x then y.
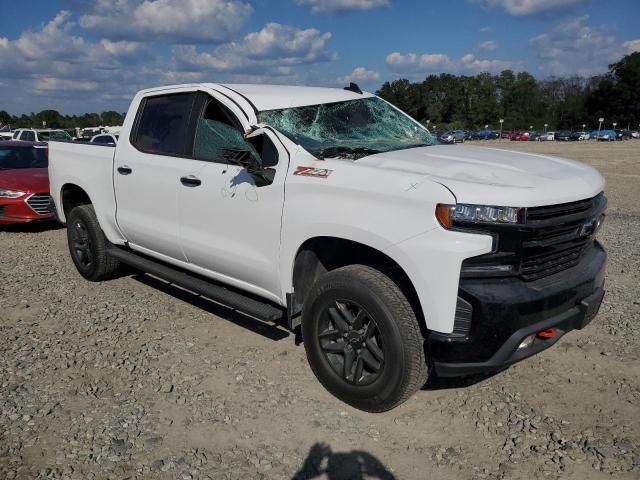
{"type": "Point", "coordinates": [321, 254]}
{"type": "Point", "coordinates": [71, 196]}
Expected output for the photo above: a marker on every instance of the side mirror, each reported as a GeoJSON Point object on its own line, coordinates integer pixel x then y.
{"type": "Point", "coordinates": [245, 159]}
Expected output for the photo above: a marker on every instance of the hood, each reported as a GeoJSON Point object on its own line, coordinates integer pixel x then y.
{"type": "Point", "coordinates": [493, 176]}
{"type": "Point", "coordinates": [28, 180]}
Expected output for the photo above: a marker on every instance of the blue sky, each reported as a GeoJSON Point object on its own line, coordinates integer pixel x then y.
{"type": "Point", "coordinates": [92, 55]}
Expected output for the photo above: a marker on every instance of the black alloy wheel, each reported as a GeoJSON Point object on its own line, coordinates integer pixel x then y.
{"type": "Point", "coordinates": [362, 338]}
{"type": "Point", "coordinates": [81, 244]}
{"type": "Point", "coordinates": [88, 246]}
{"type": "Point", "coordinates": [351, 342]}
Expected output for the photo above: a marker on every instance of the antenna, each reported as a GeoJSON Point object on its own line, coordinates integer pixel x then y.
{"type": "Point", "coordinates": [353, 87]}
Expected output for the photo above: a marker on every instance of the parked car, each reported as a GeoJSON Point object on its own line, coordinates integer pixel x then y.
{"type": "Point", "coordinates": [506, 134]}
{"type": "Point", "coordinates": [604, 135]}
{"type": "Point", "coordinates": [105, 139]}
{"type": "Point", "coordinates": [453, 136]}
{"type": "Point", "coordinates": [41, 135]}
{"type": "Point", "coordinates": [534, 136]}
{"type": "Point", "coordinates": [547, 136]}
{"type": "Point", "coordinates": [4, 136]}
{"type": "Point", "coordinates": [623, 134]}
{"type": "Point", "coordinates": [564, 136]}
{"type": "Point", "coordinates": [575, 136]}
{"type": "Point", "coordinates": [485, 135]}
{"type": "Point", "coordinates": [383, 249]}
{"type": "Point", "coordinates": [635, 134]}
{"type": "Point", "coordinates": [520, 137]}
{"type": "Point", "coordinates": [24, 183]}
{"type": "Point", "coordinates": [582, 136]}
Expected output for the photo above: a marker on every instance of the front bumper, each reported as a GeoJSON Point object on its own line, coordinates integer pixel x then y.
{"type": "Point", "coordinates": [508, 310]}
{"type": "Point", "coordinates": [16, 211]}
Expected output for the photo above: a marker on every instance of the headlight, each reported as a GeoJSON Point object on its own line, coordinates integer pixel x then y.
{"type": "Point", "coordinates": [451, 216]}
{"type": "Point", "coordinates": [10, 193]}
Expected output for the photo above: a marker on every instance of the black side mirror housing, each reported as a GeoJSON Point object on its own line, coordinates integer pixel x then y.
{"type": "Point", "coordinates": [245, 159]}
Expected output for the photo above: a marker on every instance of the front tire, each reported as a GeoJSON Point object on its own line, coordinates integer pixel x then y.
{"type": "Point", "coordinates": [88, 245]}
{"type": "Point", "coordinates": [363, 340]}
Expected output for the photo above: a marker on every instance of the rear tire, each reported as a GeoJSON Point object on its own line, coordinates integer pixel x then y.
{"type": "Point", "coordinates": [363, 340]}
{"type": "Point", "coordinates": [88, 245]}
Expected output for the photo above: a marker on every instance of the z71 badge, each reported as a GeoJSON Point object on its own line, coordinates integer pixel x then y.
{"type": "Point", "coordinates": [313, 172]}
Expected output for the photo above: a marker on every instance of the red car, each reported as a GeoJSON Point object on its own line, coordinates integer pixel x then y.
{"type": "Point", "coordinates": [24, 183]}
{"type": "Point", "coordinates": [520, 136]}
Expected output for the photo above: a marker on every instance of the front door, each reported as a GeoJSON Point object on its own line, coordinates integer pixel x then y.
{"type": "Point", "coordinates": [230, 221]}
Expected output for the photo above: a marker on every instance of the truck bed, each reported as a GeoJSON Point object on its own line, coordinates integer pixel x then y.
{"type": "Point", "coordinates": [87, 166]}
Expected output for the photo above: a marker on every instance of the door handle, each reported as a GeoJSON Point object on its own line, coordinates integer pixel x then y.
{"type": "Point", "coordinates": [190, 181]}
{"type": "Point", "coordinates": [124, 170]}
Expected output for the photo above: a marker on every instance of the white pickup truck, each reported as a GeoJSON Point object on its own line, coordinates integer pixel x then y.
{"type": "Point", "coordinates": [333, 210]}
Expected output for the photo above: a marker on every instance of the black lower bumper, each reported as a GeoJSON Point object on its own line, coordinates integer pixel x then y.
{"type": "Point", "coordinates": [507, 311]}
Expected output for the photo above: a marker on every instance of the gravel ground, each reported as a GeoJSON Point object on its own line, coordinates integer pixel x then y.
{"type": "Point", "coordinates": [137, 379]}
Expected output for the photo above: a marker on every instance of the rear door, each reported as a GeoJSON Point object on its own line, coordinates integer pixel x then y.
{"type": "Point", "coordinates": [147, 170]}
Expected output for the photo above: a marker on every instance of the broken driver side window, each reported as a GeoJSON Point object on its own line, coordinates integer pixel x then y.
{"type": "Point", "coordinates": [218, 130]}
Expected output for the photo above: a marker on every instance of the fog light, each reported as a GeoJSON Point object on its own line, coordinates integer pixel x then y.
{"type": "Point", "coordinates": [527, 342]}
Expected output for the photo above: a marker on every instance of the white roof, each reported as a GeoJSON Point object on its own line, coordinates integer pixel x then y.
{"type": "Point", "coordinates": [272, 97]}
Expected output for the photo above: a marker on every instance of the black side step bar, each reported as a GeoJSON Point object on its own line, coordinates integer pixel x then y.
{"type": "Point", "coordinates": [212, 291]}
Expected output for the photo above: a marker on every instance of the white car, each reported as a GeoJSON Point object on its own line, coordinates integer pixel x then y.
{"type": "Point", "coordinates": [41, 135]}
{"type": "Point", "coordinates": [335, 211]}
{"type": "Point", "coordinates": [549, 136]}
{"type": "Point", "coordinates": [584, 136]}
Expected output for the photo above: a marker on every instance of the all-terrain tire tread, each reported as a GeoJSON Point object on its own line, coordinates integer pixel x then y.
{"type": "Point", "coordinates": [417, 370]}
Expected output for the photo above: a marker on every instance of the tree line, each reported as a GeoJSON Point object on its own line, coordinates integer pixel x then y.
{"type": "Point", "coordinates": [460, 101]}
{"type": "Point", "coordinates": [54, 119]}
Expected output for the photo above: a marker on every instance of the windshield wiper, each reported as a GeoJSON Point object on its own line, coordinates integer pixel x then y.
{"type": "Point", "coordinates": [346, 152]}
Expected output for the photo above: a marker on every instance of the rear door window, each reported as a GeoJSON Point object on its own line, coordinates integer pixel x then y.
{"type": "Point", "coordinates": [163, 124]}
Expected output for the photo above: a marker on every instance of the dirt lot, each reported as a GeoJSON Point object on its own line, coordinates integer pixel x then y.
{"type": "Point", "coordinates": [136, 379]}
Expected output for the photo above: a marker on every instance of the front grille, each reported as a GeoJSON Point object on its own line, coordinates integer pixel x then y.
{"type": "Point", "coordinates": [555, 211]}
{"type": "Point", "coordinates": [552, 239]}
{"type": "Point", "coordinates": [557, 236]}
{"type": "Point", "coordinates": [41, 203]}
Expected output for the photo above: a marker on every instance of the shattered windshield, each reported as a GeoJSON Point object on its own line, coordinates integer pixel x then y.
{"type": "Point", "coordinates": [352, 129]}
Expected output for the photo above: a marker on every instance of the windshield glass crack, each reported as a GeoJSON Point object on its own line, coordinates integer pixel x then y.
{"type": "Point", "coordinates": [352, 129]}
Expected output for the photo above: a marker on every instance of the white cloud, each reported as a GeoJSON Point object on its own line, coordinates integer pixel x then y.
{"type": "Point", "coordinates": [529, 7]}
{"type": "Point", "coordinates": [54, 63]}
{"type": "Point", "coordinates": [325, 6]}
{"type": "Point", "coordinates": [414, 64]}
{"type": "Point", "coordinates": [171, 21]}
{"type": "Point", "coordinates": [273, 50]}
{"type": "Point", "coordinates": [486, 30]}
{"type": "Point", "coordinates": [53, 67]}
{"type": "Point", "coordinates": [574, 48]}
{"type": "Point", "coordinates": [632, 46]}
{"type": "Point", "coordinates": [50, 83]}
{"type": "Point", "coordinates": [488, 45]}
{"type": "Point", "coordinates": [359, 74]}
{"type": "Point", "coordinates": [121, 48]}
